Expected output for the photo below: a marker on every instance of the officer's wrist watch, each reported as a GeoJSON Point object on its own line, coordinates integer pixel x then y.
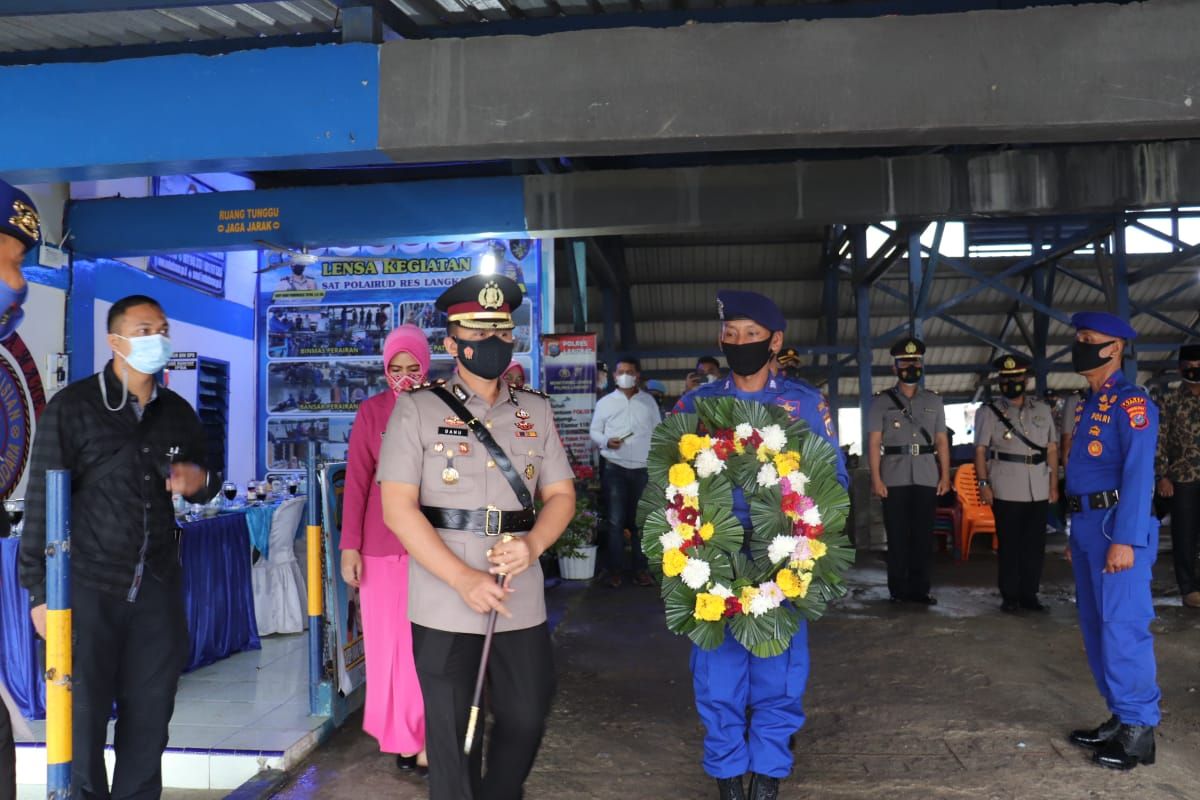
{"type": "Point", "coordinates": [984, 483]}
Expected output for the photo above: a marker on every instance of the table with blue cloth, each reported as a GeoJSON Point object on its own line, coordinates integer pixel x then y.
{"type": "Point", "coordinates": [218, 597]}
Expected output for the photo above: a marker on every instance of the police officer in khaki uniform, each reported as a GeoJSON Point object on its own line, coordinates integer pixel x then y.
{"type": "Point", "coordinates": [1016, 461]}
{"type": "Point", "coordinates": [450, 499]}
{"type": "Point", "coordinates": [909, 453]}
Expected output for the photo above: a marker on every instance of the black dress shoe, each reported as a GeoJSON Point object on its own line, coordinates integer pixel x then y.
{"type": "Point", "coordinates": [1096, 738]}
{"type": "Point", "coordinates": [1133, 745]}
{"type": "Point", "coordinates": [1033, 605]}
{"type": "Point", "coordinates": [731, 788]}
{"type": "Point", "coordinates": [924, 599]}
{"type": "Point", "coordinates": [763, 788]}
{"type": "Point", "coordinates": [406, 763]}
{"type": "Point", "coordinates": [1010, 606]}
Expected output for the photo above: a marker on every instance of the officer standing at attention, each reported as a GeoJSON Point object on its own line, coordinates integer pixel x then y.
{"type": "Point", "coordinates": [729, 680]}
{"type": "Point", "coordinates": [458, 469]}
{"type": "Point", "coordinates": [906, 427]}
{"type": "Point", "coordinates": [1114, 540]}
{"type": "Point", "coordinates": [1177, 470]}
{"type": "Point", "coordinates": [1016, 461]}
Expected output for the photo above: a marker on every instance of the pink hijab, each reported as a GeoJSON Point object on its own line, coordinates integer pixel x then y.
{"type": "Point", "coordinates": [407, 339]}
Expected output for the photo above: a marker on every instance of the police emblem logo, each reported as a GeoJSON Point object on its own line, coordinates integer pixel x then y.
{"type": "Point", "coordinates": [490, 296]}
{"type": "Point", "coordinates": [450, 476]}
{"type": "Point", "coordinates": [522, 414]}
{"type": "Point", "coordinates": [1010, 363]}
{"type": "Point", "coordinates": [1138, 420]}
{"type": "Point", "coordinates": [1095, 448]}
{"type": "Point", "coordinates": [910, 348]}
{"type": "Point", "coordinates": [25, 218]}
{"type": "Point", "coordinates": [529, 472]}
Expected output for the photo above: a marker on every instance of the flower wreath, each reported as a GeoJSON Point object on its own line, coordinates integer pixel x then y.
{"type": "Point", "coordinates": [797, 551]}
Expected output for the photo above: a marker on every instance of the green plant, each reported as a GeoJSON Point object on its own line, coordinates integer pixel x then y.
{"type": "Point", "coordinates": [581, 530]}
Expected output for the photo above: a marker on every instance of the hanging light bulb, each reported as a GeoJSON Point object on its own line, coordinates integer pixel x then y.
{"type": "Point", "coordinates": [487, 264]}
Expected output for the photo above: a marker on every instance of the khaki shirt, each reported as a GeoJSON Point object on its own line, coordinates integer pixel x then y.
{"type": "Point", "coordinates": [928, 411]}
{"type": "Point", "coordinates": [426, 445]}
{"type": "Point", "coordinates": [1178, 455]}
{"type": "Point", "coordinates": [1013, 482]}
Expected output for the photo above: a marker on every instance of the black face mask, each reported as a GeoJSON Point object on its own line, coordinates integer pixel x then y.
{"type": "Point", "coordinates": [297, 269]}
{"type": "Point", "coordinates": [1012, 390]}
{"type": "Point", "coordinates": [488, 357]}
{"type": "Point", "coordinates": [910, 375]}
{"type": "Point", "coordinates": [1086, 357]}
{"type": "Point", "coordinates": [747, 359]}
{"type": "Point", "coordinates": [1191, 374]}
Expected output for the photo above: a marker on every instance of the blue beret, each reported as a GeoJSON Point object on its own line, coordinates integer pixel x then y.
{"type": "Point", "coordinates": [750, 305]}
{"type": "Point", "coordinates": [656, 386]}
{"type": "Point", "coordinates": [18, 216]}
{"type": "Point", "coordinates": [1103, 322]}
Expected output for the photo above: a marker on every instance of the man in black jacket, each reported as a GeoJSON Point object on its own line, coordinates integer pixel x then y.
{"type": "Point", "coordinates": [129, 445]}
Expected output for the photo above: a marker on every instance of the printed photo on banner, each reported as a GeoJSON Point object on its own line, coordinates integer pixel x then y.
{"type": "Point", "coordinates": [352, 329]}
{"type": "Point", "coordinates": [322, 386]}
{"type": "Point", "coordinates": [433, 322]}
{"type": "Point", "coordinates": [288, 440]}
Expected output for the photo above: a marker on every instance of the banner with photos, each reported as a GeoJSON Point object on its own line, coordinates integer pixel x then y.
{"type": "Point", "coordinates": [569, 377]}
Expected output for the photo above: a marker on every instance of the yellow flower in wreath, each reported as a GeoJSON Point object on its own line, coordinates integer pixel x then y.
{"type": "Point", "coordinates": [673, 562]}
{"type": "Point", "coordinates": [791, 584]}
{"type": "Point", "coordinates": [686, 531]}
{"type": "Point", "coordinates": [691, 502]}
{"type": "Point", "coordinates": [748, 594]}
{"type": "Point", "coordinates": [691, 444]}
{"type": "Point", "coordinates": [763, 453]}
{"type": "Point", "coordinates": [681, 475]}
{"type": "Point", "coordinates": [709, 607]}
{"type": "Point", "coordinates": [787, 463]}
{"type": "Point", "coordinates": [706, 531]}
{"type": "Point", "coordinates": [817, 548]}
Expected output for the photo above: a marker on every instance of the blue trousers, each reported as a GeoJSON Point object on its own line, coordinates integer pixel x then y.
{"type": "Point", "coordinates": [1115, 612]}
{"type": "Point", "coordinates": [727, 682]}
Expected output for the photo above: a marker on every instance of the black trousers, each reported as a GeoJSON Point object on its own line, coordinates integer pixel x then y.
{"type": "Point", "coordinates": [1185, 534]}
{"type": "Point", "coordinates": [1021, 529]}
{"type": "Point", "coordinates": [520, 684]}
{"type": "Point", "coordinates": [8, 758]}
{"type": "Point", "coordinates": [623, 490]}
{"type": "Point", "coordinates": [908, 520]}
{"type": "Point", "coordinates": [133, 654]}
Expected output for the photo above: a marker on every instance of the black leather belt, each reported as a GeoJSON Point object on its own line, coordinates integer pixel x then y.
{"type": "Point", "coordinates": [1035, 458]}
{"type": "Point", "coordinates": [908, 450]}
{"type": "Point", "coordinates": [485, 522]}
{"type": "Point", "coordinates": [1078, 503]}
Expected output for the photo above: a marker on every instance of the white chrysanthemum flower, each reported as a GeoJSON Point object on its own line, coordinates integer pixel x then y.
{"type": "Point", "coordinates": [812, 516]}
{"type": "Point", "coordinates": [696, 573]}
{"type": "Point", "coordinates": [743, 431]}
{"type": "Point", "coordinates": [670, 494]}
{"type": "Point", "coordinates": [798, 481]}
{"type": "Point", "coordinates": [767, 476]}
{"type": "Point", "coordinates": [721, 590]}
{"type": "Point", "coordinates": [774, 438]}
{"type": "Point", "coordinates": [780, 548]}
{"type": "Point", "coordinates": [691, 490]}
{"type": "Point", "coordinates": [707, 463]}
{"type": "Point", "coordinates": [670, 541]}
{"type": "Point", "coordinates": [759, 604]}
{"type": "Point", "coordinates": [803, 549]}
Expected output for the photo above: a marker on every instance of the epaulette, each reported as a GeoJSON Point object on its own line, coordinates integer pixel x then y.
{"type": "Point", "coordinates": [542, 395]}
{"type": "Point", "coordinates": [428, 385]}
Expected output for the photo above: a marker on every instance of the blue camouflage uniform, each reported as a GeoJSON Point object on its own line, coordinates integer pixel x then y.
{"type": "Point", "coordinates": [729, 680]}
{"type": "Point", "coordinates": [1113, 448]}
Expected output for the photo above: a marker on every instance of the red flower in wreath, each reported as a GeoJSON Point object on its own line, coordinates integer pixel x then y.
{"type": "Point", "coordinates": [733, 607]}
{"type": "Point", "coordinates": [689, 516]}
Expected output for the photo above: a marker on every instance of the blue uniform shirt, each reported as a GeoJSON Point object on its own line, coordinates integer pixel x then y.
{"type": "Point", "coordinates": [1116, 430]}
{"type": "Point", "coordinates": [801, 400]}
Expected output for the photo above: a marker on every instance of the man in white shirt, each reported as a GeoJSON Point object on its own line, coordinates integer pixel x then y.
{"type": "Point", "coordinates": [621, 427]}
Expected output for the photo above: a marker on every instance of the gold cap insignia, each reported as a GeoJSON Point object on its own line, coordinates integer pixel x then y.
{"type": "Point", "coordinates": [1009, 363]}
{"type": "Point", "coordinates": [25, 219]}
{"type": "Point", "coordinates": [490, 296]}
{"type": "Point", "coordinates": [910, 348]}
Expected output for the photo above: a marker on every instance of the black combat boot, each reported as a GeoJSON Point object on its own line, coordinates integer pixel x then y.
{"type": "Point", "coordinates": [1133, 745]}
{"type": "Point", "coordinates": [1095, 738]}
{"type": "Point", "coordinates": [763, 788]}
{"type": "Point", "coordinates": [731, 788]}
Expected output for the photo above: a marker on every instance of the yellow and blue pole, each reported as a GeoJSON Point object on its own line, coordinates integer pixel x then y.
{"type": "Point", "coordinates": [316, 588]}
{"type": "Point", "coordinates": [58, 634]}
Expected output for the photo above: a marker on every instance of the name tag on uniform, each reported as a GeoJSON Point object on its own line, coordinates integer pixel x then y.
{"type": "Point", "coordinates": [447, 431]}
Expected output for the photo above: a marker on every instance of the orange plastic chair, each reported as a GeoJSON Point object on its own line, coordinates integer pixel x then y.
{"type": "Point", "coordinates": [975, 517]}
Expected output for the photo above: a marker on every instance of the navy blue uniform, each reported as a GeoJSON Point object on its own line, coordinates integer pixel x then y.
{"type": "Point", "coordinates": [1113, 448]}
{"type": "Point", "coordinates": [729, 680]}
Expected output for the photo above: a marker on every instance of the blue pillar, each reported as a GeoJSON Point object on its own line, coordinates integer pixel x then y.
{"type": "Point", "coordinates": [58, 635]}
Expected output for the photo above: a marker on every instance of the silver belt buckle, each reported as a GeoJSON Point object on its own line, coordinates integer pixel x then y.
{"type": "Point", "coordinates": [488, 530]}
{"type": "Point", "coordinates": [914, 449]}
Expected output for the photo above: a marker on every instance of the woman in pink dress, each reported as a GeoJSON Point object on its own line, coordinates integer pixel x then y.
{"type": "Point", "coordinates": [374, 561]}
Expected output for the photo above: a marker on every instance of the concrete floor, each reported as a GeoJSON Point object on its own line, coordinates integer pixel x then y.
{"type": "Point", "coordinates": [956, 701]}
